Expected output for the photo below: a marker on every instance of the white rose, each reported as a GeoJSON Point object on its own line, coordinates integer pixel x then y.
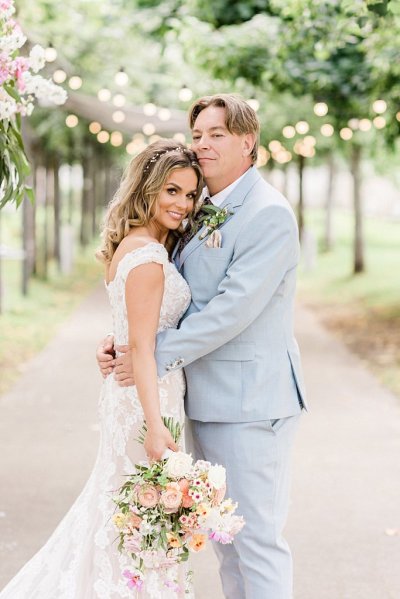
{"type": "Point", "coordinates": [178, 464]}
{"type": "Point", "coordinates": [217, 476]}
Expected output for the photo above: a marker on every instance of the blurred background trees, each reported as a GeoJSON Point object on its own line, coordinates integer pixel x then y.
{"type": "Point", "coordinates": [323, 75]}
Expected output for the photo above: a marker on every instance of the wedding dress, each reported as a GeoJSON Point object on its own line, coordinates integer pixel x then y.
{"type": "Point", "coordinates": [81, 558]}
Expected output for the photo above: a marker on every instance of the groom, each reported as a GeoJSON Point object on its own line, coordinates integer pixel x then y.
{"type": "Point", "coordinates": [244, 384]}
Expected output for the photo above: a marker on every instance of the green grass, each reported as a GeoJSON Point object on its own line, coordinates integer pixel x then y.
{"type": "Point", "coordinates": [333, 281]}
{"type": "Point", "coordinates": [363, 309]}
{"type": "Point", "coordinates": [28, 323]}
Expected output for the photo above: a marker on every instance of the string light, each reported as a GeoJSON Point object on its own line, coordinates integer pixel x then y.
{"type": "Point", "coordinates": [118, 116]}
{"type": "Point", "coordinates": [327, 130]}
{"type": "Point", "coordinates": [185, 94]}
{"type": "Point", "coordinates": [164, 114]}
{"type": "Point", "coordinates": [254, 104]}
{"type": "Point", "coordinates": [274, 145]}
{"type": "Point", "coordinates": [283, 156]}
{"type": "Point", "coordinates": [75, 82]}
{"type": "Point", "coordinates": [94, 127]}
{"type": "Point", "coordinates": [346, 133]}
{"type": "Point", "coordinates": [59, 76]}
{"type": "Point", "coordinates": [263, 156]}
{"type": "Point", "coordinates": [354, 124]}
{"type": "Point", "coordinates": [379, 106]}
{"type": "Point", "coordinates": [364, 125]}
{"type": "Point", "coordinates": [149, 109]}
{"type": "Point", "coordinates": [379, 122]}
{"type": "Point", "coordinates": [50, 53]}
{"type": "Point", "coordinates": [310, 140]}
{"type": "Point", "coordinates": [288, 131]}
{"type": "Point", "coordinates": [180, 137]}
{"type": "Point", "coordinates": [148, 129]}
{"type": "Point", "coordinates": [121, 78]}
{"type": "Point", "coordinates": [104, 94]}
{"type": "Point", "coordinates": [304, 149]}
{"type": "Point", "coordinates": [119, 100]}
{"type": "Point", "coordinates": [116, 139]}
{"type": "Point", "coordinates": [131, 148]}
{"type": "Point", "coordinates": [71, 121]}
{"type": "Point", "coordinates": [321, 109]}
{"type": "Point", "coordinates": [302, 127]}
{"type": "Point", "coordinates": [103, 137]}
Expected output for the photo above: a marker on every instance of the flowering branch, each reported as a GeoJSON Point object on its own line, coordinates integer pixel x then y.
{"type": "Point", "coordinates": [19, 86]}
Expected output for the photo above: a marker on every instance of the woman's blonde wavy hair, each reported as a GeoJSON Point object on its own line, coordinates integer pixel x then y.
{"type": "Point", "coordinates": [134, 203]}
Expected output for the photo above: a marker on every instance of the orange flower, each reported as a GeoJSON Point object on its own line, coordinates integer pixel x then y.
{"type": "Point", "coordinates": [198, 542]}
{"type": "Point", "coordinates": [184, 486]}
{"type": "Point", "coordinates": [173, 540]}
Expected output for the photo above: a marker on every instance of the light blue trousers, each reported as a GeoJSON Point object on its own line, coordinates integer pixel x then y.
{"type": "Point", "coordinates": [258, 565]}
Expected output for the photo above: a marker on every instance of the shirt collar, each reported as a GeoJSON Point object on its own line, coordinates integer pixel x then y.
{"type": "Point", "coordinates": [221, 196]}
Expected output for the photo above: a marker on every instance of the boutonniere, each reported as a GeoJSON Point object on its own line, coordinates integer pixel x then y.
{"type": "Point", "coordinates": [213, 218]}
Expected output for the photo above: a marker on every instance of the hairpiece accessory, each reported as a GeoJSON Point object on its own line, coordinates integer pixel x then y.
{"type": "Point", "coordinates": [157, 155]}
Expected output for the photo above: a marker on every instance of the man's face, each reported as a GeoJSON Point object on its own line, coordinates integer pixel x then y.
{"type": "Point", "coordinates": [223, 156]}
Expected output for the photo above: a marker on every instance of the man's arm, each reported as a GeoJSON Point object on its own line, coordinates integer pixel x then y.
{"type": "Point", "coordinates": [266, 249]}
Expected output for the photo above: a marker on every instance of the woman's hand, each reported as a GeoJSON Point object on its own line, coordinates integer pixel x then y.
{"type": "Point", "coordinates": [157, 440]}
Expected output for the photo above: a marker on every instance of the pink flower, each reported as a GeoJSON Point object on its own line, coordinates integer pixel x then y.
{"type": "Point", "coordinates": [221, 537]}
{"type": "Point", "coordinates": [133, 542]}
{"type": "Point", "coordinates": [148, 496]}
{"type": "Point", "coordinates": [171, 498]}
{"type": "Point", "coordinates": [134, 580]}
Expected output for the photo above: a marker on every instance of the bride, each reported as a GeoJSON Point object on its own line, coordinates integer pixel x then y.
{"type": "Point", "coordinates": [147, 295]}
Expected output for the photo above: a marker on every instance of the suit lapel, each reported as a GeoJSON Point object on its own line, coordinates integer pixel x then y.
{"type": "Point", "coordinates": [234, 200]}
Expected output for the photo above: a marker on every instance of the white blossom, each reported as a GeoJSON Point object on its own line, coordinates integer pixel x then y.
{"type": "Point", "coordinates": [217, 476]}
{"type": "Point", "coordinates": [37, 58]}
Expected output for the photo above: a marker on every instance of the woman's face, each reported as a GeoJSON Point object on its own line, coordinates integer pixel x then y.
{"type": "Point", "coordinates": [176, 199]}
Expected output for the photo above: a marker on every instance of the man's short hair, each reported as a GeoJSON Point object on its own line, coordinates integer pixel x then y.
{"type": "Point", "coordinates": [240, 117]}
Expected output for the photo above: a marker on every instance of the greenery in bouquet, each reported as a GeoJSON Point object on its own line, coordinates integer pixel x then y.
{"type": "Point", "coordinates": [19, 86]}
{"type": "Point", "coordinates": [169, 508]}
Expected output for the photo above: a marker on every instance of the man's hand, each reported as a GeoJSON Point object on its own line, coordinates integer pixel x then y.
{"type": "Point", "coordinates": [123, 371]}
{"type": "Point", "coordinates": [105, 356]}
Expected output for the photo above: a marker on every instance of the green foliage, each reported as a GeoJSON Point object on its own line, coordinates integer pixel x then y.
{"type": "Point", "coordinates": [14, 165]}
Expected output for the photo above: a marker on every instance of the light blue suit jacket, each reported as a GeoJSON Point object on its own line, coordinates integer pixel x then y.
{"type": "Point", "coordinates": [236, 340]}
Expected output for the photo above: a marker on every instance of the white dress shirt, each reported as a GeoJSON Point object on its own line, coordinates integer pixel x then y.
{"type": "Point", "coordinates": [221, 196]}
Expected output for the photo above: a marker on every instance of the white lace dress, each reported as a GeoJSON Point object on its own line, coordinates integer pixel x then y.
{"type": "Point", "coordinates": [81, 559]}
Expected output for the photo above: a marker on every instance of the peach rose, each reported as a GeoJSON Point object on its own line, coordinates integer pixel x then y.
{"type": "Point", "coordinates": [148, 496]}
{"type": "Point", "coordinates": [134, 520]}
{"type": "Point", "coordinates": [197, 542]}
{"type": "Point", "coordinates": [171, 498]}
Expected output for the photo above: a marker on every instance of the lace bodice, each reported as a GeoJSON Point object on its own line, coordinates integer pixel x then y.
{"type": "Point", "coordinates": [176, 296]}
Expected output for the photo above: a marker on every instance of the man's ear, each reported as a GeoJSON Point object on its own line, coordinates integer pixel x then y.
{"type": "Point", "coordinates": [249, 139]}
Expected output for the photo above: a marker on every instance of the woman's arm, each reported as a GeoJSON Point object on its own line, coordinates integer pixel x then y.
{"type": "Point", "coordinates": [143, 296]}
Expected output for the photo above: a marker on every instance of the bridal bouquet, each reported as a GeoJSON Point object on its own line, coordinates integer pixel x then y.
{"type": "Point", "coordinates": [168, 508]}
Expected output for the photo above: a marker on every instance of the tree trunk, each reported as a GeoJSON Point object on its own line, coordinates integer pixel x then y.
{"type": "Point", "coordinates": [359, 262]}
{"type": "Point", "coordinates": [95, 192]}
{"type": "Point", "coordinates": [300, 207]}
{"type": "Point", "coordinates": [57, 209]}
{"type": "Point", "coordinates": [85, 201]}
{"type": "Point", "coordinates": [328, 237]}
{"type": "Point", "coordinates": [28, 233]}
